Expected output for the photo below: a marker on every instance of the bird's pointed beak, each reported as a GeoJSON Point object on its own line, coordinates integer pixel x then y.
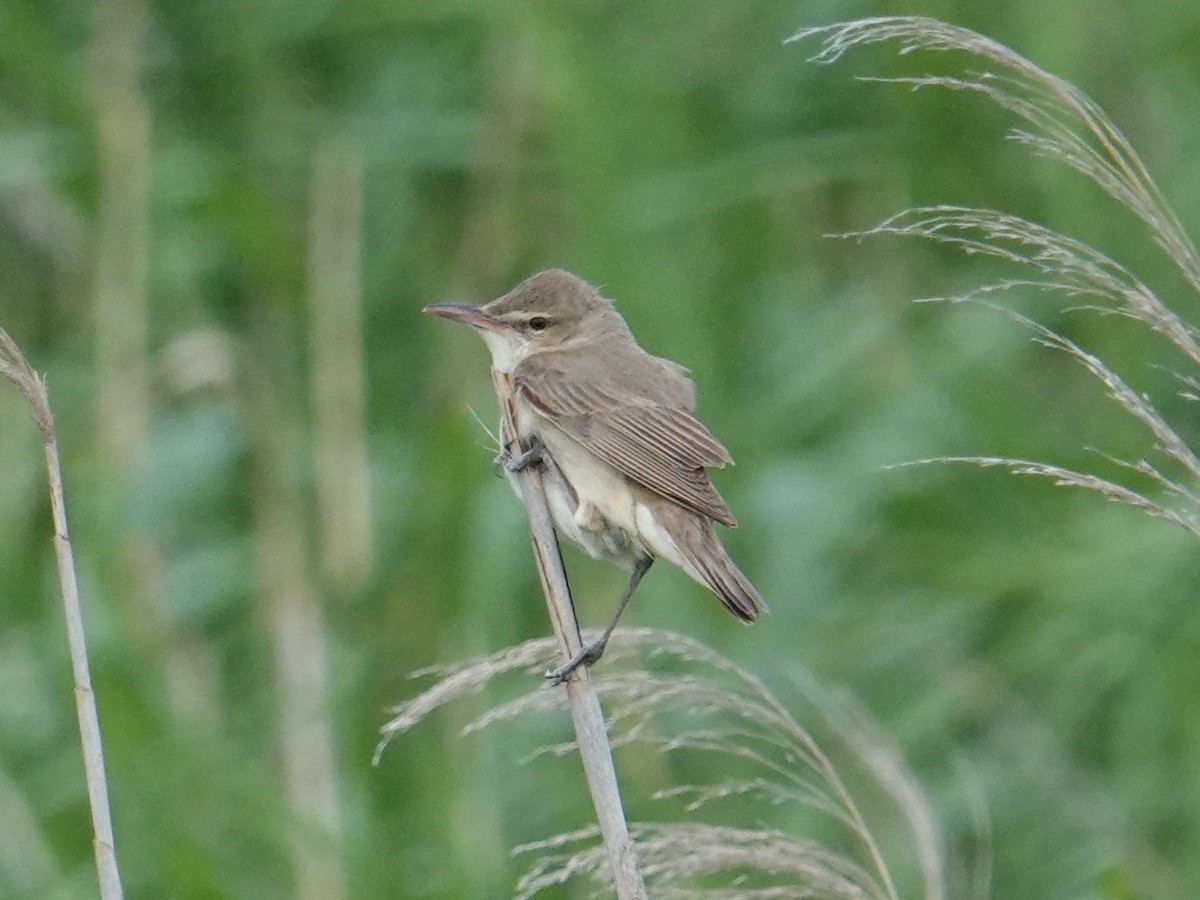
{"type": "Point", "coordinates": [465, 313]}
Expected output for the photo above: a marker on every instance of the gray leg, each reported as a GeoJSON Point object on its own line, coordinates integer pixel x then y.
{"type": "Point", "coordinates": [592, 652]}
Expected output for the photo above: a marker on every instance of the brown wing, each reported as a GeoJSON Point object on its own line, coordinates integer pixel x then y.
{"type": "Point", "coordinates": [659, 446]}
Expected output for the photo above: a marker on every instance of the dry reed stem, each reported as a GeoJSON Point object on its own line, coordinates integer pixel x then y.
{"type": "Point", "coordinates": [14, 367]}
{"type": "Point", "coordinates": [590, 730]}
{"type": "Point", "coordinates": [295, 620]}
{"type": "Point", "coordinates": [338, 371]}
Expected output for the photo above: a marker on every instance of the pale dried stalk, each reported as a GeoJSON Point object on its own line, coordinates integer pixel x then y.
{"type": "Point", "coordinates": [123, 136]}
{"type": "Point", "coordinates": [590, 731]}
{"type": "Point", "coordinates": [14, 367]}
{"type": "Point", "coordinates": [295, 619]}
{"type": "Point", "coordinates": [338, 381]}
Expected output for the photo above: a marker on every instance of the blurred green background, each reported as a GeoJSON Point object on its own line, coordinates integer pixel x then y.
{"type": "Point", "coordinates": [218, 224]}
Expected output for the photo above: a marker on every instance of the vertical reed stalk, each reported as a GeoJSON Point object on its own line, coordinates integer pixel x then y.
{"type": "Point", "coordinates": [337, 373]}
{"type": "Point", "coordinates": [590, 731]}
{"type": "Point", "coordinates": [123, 160]}
{"type": "Point", "coordinates": [14, 367]}
{"type": "Point", "coordinates": [296, 623]}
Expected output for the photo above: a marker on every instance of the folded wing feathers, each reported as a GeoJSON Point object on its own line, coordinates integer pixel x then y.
{"type": "Point", "coordinates": [663, 448]}
{"type": "Point", "coordinates": [687, 485]}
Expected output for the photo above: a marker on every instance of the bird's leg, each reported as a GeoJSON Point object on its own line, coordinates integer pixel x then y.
{"type": "Point", "coordinates": [505, 459]}
{"type": "Point", "coordinates": [592, 652]}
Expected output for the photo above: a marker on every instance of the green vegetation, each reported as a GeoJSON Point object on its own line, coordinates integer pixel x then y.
{"type": "Point", "coordinates": [218, 224]}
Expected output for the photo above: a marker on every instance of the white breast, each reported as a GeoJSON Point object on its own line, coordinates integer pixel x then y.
{"type": "Point", "coordinates": [599, 510]}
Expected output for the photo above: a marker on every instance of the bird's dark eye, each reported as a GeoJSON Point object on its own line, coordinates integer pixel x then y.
{"type": "Point", "coordinates": [539, 323]}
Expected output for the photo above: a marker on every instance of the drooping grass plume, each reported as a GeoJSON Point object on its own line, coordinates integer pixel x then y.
{"type": "Point", "coordinates": [1061, 123]}
{"type": "Point", "coordinates": [673, 853]}
{"type": "Point", "coordinates": [1178, 502]}
{"type": "Point", "coordinates": [675, 694]}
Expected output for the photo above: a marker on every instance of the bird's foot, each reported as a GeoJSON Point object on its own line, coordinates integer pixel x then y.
{"type": "Point", "coordinates": [506, 460]}
{"type": "Point", "coordinates": [587, 656]}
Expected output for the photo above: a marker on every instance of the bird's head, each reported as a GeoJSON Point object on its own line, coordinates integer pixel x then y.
{"type": "Point", "coordinates": [550, 311]}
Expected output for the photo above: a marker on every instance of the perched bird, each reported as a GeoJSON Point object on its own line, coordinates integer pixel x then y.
{"type": "Point", "coordinates": [624, 459]}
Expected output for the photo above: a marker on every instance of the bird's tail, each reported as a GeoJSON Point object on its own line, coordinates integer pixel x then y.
{"type": "Point", "coordinates": [709, 564]}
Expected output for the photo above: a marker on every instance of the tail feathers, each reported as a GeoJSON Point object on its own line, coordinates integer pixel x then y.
{"type": "Point", "coordinates": [715, 570]}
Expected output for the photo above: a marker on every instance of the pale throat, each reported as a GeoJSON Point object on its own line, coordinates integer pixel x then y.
{"type": "Point", "coordinates": [507, 350]}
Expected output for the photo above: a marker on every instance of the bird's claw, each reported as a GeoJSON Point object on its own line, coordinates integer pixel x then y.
{"type": "Point", "coordinates": [587, 656]}
{"type": "Point", "coordinates": [508, 461]}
